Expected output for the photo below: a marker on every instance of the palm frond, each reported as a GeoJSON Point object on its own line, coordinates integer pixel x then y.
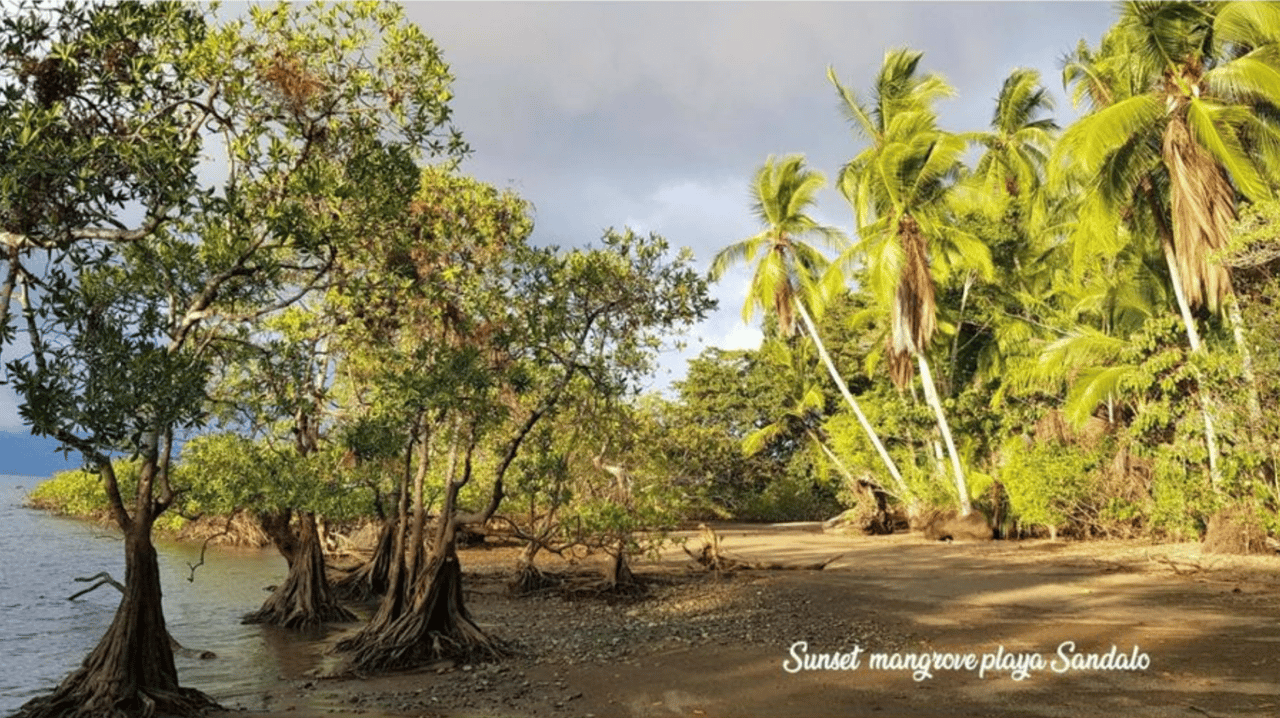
{"type": "Point", "coordinates": [1163, 33]}
{"type": "Point", "coordinates": [756, 441]}
{"type": "Point", "coordinates": [1086, 145]}
{"type": "Point", "coordinates": [1211, 125]}
{"type": "Point", "coordinates": [1252, 78]}
{"type": "Point", "coordinates": [1092, 387]}
{"type": "Point", "coordinates": [743, 252]}
{"type": "Point", "coordinates": [852, 108]}
{"type": "Point", "coordinates": [1247, 24]}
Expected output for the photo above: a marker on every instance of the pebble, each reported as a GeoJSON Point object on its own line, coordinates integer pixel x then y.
{"type": "Point", "coordinates": [683, 611]}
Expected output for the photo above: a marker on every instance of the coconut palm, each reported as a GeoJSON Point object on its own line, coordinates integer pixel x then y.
{"type": "Point", "coordinates": [897, 188]}
{"type": "Point", "coordinates": [1175, 138]}
{"type": "Point", "coordinates": [1020, 138]}
{"type": "Point", "coordinates": [1175, 85]}
{"type": "Point", "coordinates": [788, 275]}
{"type": "Point", "coordinates": [1009, 175]}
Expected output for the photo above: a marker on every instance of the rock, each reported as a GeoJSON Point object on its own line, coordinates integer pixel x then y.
{"type": "Point", "coordinates": [950, 526]}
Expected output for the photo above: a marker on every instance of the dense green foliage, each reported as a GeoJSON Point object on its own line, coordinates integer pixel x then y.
{"type": "Point", "coordinates": [1061, 334]}
{"type": "Point", "coordinates": [1093, 332]}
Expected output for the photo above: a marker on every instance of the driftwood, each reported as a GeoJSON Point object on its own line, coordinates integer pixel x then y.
{"type": "Point", "coordinates": [713, 558]}
{"type": "Point", "coordinates": [105, 579]}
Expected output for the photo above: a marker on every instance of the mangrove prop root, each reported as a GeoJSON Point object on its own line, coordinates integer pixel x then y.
{"type": "Point", "coordinates": [130, 673]}
{"type": "Point", "coordinates": [305, 599]}
{"type": "Point", "coordinates": [436, 625]}
{"type": "Point", "coordinates": [373, 576]}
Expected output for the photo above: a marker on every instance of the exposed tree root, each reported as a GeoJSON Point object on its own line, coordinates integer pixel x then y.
{"type": "Point", "coordinates": [531, 579]}
{"type": "Point", "coordinates": [1237, 530]}
{"type": "Point", "coordinates": [619, 579]}
{"type": "Point", "coordinates": [131, 671]}
{"type": "Point", "coordinates": [436, 625]}
{"type": "Point", "coordinates": [949, 525]}
{"type": "Point", "coordinates": [370, 578]}
{"type": "Point", "coordinates": [81, 696]}
{"type": "Point", "coordinates": [304, 600]}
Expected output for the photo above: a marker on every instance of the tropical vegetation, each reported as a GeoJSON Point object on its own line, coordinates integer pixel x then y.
{"type": "Point", "coordinates": [1051, 331]}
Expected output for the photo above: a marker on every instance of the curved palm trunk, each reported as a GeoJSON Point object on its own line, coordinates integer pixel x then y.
{"type": "Point", "coordinates": [898, 483]}
{"type": "Point", "coordinates": [877, 492]}
{"type": "Point", "coordinates": [1193, 338]}
{"type": "Point", "coordinates": [831, 456]}
{"type": "Point", "coordinates": [931, 398]}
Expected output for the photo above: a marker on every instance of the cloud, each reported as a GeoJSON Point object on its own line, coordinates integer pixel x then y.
{"type": "Point", "coordinates": [742, 336]}
{"type": "Point", "coordinates": [9, 418]}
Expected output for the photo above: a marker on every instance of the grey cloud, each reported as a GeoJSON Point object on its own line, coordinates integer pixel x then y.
{"type": "Point", "coordinates": [657, 115]}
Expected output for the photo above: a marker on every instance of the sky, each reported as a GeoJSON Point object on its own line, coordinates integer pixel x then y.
{"type": "Point", "coordinates": [656, 116]}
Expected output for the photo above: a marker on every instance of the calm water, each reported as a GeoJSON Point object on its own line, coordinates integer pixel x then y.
{"type": "Point", "coordinates": [43, 636]}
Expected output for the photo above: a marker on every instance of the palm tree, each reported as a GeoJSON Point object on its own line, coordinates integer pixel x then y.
{"type": "Point", "coordinates": [789, 270]}
{"type": "Point", "coordinates": [1019, 142]}
{"type": "Point", "coordinates": [1003, 197]}
{"type": "Point", "coordinates": [1174, 86]}
{"type": "Point", "coordinates": [898, 188]}
{"type": "Point", "coordinates": [806, 404]}
{"type": "Point", "coordinates": [1175, 137]}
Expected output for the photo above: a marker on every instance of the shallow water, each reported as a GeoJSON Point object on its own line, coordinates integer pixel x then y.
{"type": "Point", "coordinates": [43, 636]}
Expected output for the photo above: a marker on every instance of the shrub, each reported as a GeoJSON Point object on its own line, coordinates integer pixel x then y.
{"type": "Point", "coordinates": [1048, 482]}
{"type": "Point", "coordinates": [81, 493]}
{"type": "Point", "coordinates": [73, 493]}
{"type": "Point", "coordinates": [792, 499]}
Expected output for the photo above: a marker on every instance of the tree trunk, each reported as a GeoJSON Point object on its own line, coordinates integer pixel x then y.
{"type": "Point", "coordinates": [831, 456]}
{"type": "Point", "coordinates": [278, 526]}
{"type": "Point", "coordinates": [931, 397]}
{"type": "Point", "coordinates": [880, 522]}
{"type": "Point", "coordinates": [371, 578]}
{"type": "Point", "coordinates": [1193, 338]}
{"type": "Point", "coordinates": [529, 578]}
{"type": "Point", "coordinates": [435, 624]}
{"type": "Point", "coordinates": [397, 597]}
{"type": "Point", "coordinates": [414, 558]}
{"type": "Point", "coordinates": [903, 492]}
{"type": "Point", "coordinates": [131, 672]}
{"type": "Point", "coordinates": [955, 340]}
{"type": "Point", "coordinates": [305, 599]}
{"type": "Point", "coordinates": [1246, 362]}
{"type": "Point", "coordinates": [618, 576]}
{"type": "Point", "coordinates": [6, 293]}
{"type": "Point", "coordinates": [1193, 334]}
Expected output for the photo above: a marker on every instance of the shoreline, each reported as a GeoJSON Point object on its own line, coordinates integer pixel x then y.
{"type": "Point", "coordinates": [716, 646]}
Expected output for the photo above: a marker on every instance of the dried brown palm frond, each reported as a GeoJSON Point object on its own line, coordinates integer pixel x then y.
{"type": "Point", "coordinates": [914, 309]}
{"type": "Point", "coordinates": [1202, 204]}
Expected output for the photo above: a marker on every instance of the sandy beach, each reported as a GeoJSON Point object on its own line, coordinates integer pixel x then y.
{"type": "Point", "coordinates": [895, 625]}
